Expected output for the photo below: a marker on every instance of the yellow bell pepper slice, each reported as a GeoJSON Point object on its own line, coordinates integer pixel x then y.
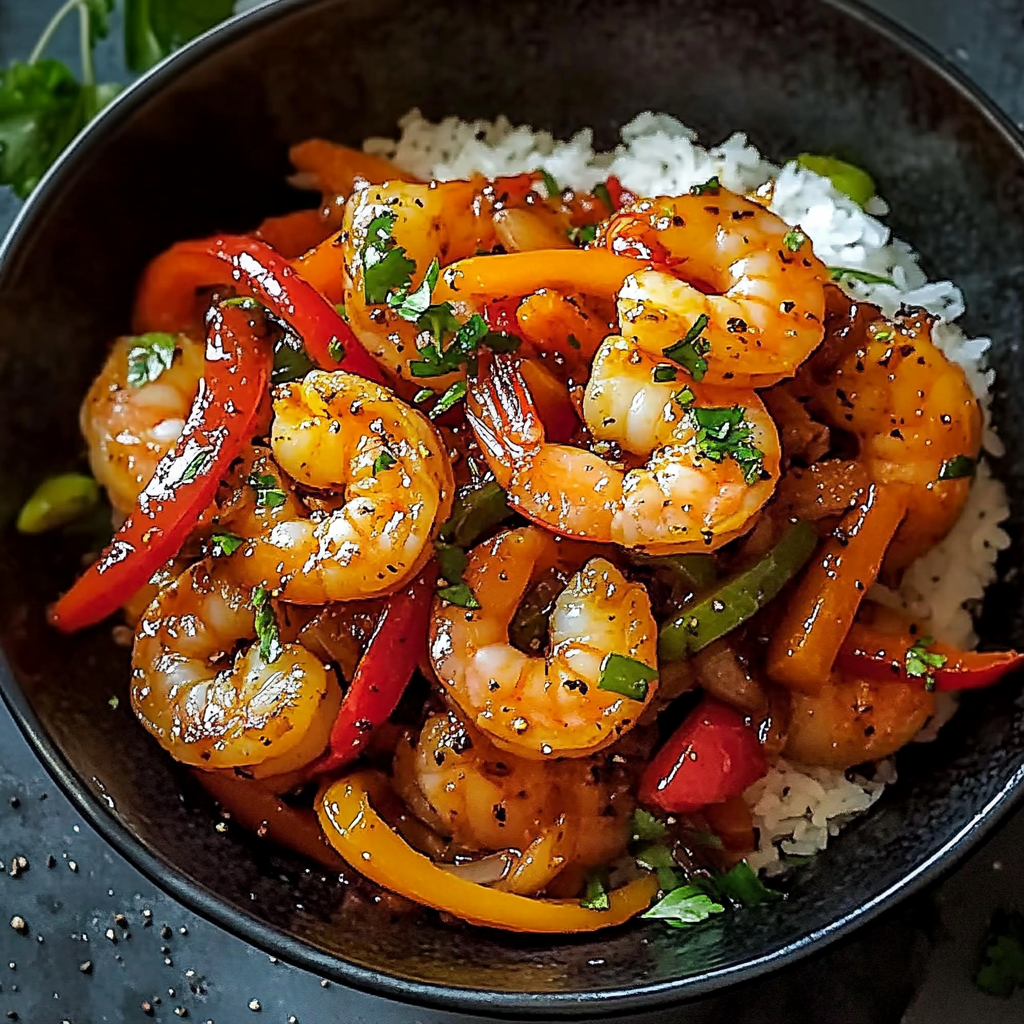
{"type": "Point", "coordinates": [369, 844]}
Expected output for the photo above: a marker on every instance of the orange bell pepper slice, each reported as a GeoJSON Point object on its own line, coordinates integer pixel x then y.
{"type": "Point", "coordinates": [820, 613]}
{"type": "Point", "coordinates": [334, 168]}
{"type": "Point", "coordinates": [369, 844]}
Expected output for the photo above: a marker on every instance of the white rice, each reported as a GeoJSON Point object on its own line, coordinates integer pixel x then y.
{"type": "Point", "coordinates": [796, 808]}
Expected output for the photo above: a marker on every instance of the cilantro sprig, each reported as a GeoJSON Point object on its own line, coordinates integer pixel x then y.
{"type": "Point", "coordinates": [724, 433]}
{"type": "Point", "coordinates": [690, 350]}
{"type": "Point", "coordinates": [920, 663]}
{"type": "Point", "coordinates": [44, 105]}
{"type": "Point", "coordinates": [268, 633]}
{"type": "Point", "coordinates": [149, 356]}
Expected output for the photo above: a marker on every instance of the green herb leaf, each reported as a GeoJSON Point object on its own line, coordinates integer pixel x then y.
{"type": "Point", "coordinates": [574, 342]}
{"type": "Point", "coordinates": [665, 374]}
{"type": "Point", "coordinates": [595, 895]}
{"type": "Point", "coordinates": [840, 273]}
{"type": "Point", "coordinates": [459, 594]}
{"type": "Point", "coordinates": [742, 885]}
{"type": "Point", "coordinates": [58, 501]}
{"type": "Point", "coordinates": [550, 185]}
{"type": "Point", "coordinates": [386, 268]}
{"type": "Point", "coordinates": [385, 460]}
{"type": "Point", "coordinates": [846, 178]}
{"type": "Point", "coordinates": [1002, 968]}
{"type": "Point", "coordinates": [268, 491]}
{"type": "Point", "coordinates": [42, 108]}
{"type": "Point", "coordinates": [602, 193]}
{"type": "Point", "coordinates": [625, 676]}
{"type": "Point", "coordinates": [267, 632]}
{"type": "Point", "coordinates": [794, 240]}
{"type": "Point", "coordinates": [339, 308]}
{"type": "Point", "coordinates": [583, 235]}
{"type": "Point", "coordinates": [919, 662]}
{"type": "Point", "coordinates": [336, 350]}
{"type": "Point", "coordinates": [646, 827]}
{"type": "Point", "coordinates": [149, 357]}
{"type": "Point", "coordinates": [225, 544]}
{"type": "Point", "coordinates": [684, 906]}
{"type": "Point", "coordinates": [685, 397]}
{"type": "Point", "coordinates": [723, 433]}
{"type": "Point", "coordinates": [422, 395]}
{"type": "Point", "coordinates": [657, 857]}
{"type": "Point", "coordinates": [957, 467]}
{"type": "Point", "coordinates": [689, 351]}
{"type": "Point", "coordinates": [200, 464]}
{"type": "Point", "coordinates": [710, 187]}
{"type": "Point", "coordinates": [155, 28]}
{"type": "Point", "coordinates": [412, 305]}
{"type": "Point", "coordinates": [290, 360]}
{"type": "Point", "coordinates": [455, 394]}
{"type": "Point", "coordinates": [474, 514]}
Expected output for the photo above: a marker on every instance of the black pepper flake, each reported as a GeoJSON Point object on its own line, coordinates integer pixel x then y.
{"type": "Point", "coordinates": [51, 861]}
{"type": "Point", "coordinates": [14, 802]}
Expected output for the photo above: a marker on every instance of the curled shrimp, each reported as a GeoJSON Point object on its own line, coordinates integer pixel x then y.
{"type": "Point", "coordinates": [913, 413]}
{"type": "Point", "coordinates": [539, 706]}
{"type": "Point", "coordinates": [211, 707]}
{"type": "Point", "coordinates": [129, 428]}
{"type": "Point", "coordinates": [735, 286]}
{"type": "Point", "coordinates": [547, 816]}
{"type": "Point", "coordinates": [392, 482]}
{"type": "Point", "coordinates": [712, 454]}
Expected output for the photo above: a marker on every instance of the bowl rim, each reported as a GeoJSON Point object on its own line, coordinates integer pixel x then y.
{"type": "Point", "coordinates": [273, 940]}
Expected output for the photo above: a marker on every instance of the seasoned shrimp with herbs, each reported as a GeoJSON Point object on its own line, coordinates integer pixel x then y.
{"type": "Point", "coordinates": [589, 687]}
{"type": "Point", "coordinates": [137, 407]}
{"type": "Point", "coordinates": [514, 543]}
{"type": "Point", "coordinates": [214, 684]}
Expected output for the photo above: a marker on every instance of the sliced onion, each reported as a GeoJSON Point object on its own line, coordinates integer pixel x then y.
{"type": "Point", "coordinates": [485, 871]}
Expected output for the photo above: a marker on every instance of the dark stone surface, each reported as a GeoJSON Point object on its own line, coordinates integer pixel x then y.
{"type": "Point", "coordinates": [57, 902]}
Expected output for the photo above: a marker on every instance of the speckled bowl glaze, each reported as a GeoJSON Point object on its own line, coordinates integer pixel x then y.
{"type": "Point", "coordinates": [200, 145]}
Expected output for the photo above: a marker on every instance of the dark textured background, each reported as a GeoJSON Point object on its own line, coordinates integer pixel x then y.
{"type": "Point", "coordinates": [928, 946]}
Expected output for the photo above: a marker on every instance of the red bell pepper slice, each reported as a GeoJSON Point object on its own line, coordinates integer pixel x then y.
{"type": "Point", "coordinates": [619, 196]}
{"type": "Point", "coordinates": [713, 756]}
{"type": "Point", "coordinates": [222, 420]}
{"type": "Point", "coordinates": [870, 653]}
{"type": "Point", "coordinates": [383, 672]}
{"type": "Point", "coordinates": [167, 292]}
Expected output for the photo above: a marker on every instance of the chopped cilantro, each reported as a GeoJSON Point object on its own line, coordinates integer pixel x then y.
{"type": "Point", "coordinates": [422, 395]}
{"type": "Point", "coordinates": [658, 857]}
{"type": "Point", "coordinates": [957, 467]}
{"type": "Point", "coordinates": [625, 676]}
{"type": "Point", "coordinates": [459, 594]}
{"type": "Point", "coordinates": [839, 273]}
{"type": "Point", "coordinates": [794, 240]}
{"type": "Point", "coordinates": [455, 394]}
{"type": "Point", "coordinates": [919, 662]}
{"type": "Point", "coordinates": [646, 827]}
{"type": "Point", "coordinates": [665, 374]}
{"type": "Point", "coordinates": [290, 360]}
{"type": "Point", "coordinates": [385, 460]}
{"type": "Point", "coordinates": [723, 433]}
{"type": "Point", "coordinates": [684, 906]}
{"type": "Point", "coordinates": [267, 632]}
{"type": "Point", "coordinates": [268, 493]}
{"type": "Point", "coordinates": [689, 352]}
{"type": "Point", "coordinates": [149, 356]}
{"type": "Point", "coordinates": [602, 193]}
{"type": "Point", "coordinates": [742, 885]}
{"type": "Point", "coordinates": [550, 185]}
{"type": "Point", "coordinates": [574, 342]}
{"type": "Point", "coordinates": [199, 464]}
{"type": "Point", "coordinates": [1002, 968]}
{"type": "Point", "coordinates": [336, 350]}
{"type": "Point", "coordinates": [583, 235]}
{"type": "Point", "coordinates": [339, 308]}
{"type": "Point", "coordinates": [223, 544]}
{"type": "Point", "coordinates": [386, 268]}
{"type": "Point", "coordinates": [685, 397]}
{"type": "Point", "coordinates": [595, 895]}
{"type": "Point", "coordinates": [710, 187]}
{"type": "Point", "coordinates": [412, 305]}
{"type": "Point", "coordinates": [451, 562]}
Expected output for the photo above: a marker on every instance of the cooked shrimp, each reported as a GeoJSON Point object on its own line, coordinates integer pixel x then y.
{"type": "Point", "coordinates": [214, 708]}
{"type": "Point", "coordinates": [548, 815]}
{"type": "Point", "coordinates": [540, 706]}
{"type": "Point", "coordinates": [438, 221]}
{"type": "Point", "coordinates": [735, 286]}
{"type": "Point", "coordinates": [129, 428]}
{"type": "Point", "coordinates": [914, 415]}
{"type": "Point", "coordinates": [712, 454]}
{"type": "Point", "coordinates": [339, 433]}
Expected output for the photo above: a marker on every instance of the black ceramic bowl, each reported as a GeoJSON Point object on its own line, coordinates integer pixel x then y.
{"type": "Point", "coordinates": [200, 145]}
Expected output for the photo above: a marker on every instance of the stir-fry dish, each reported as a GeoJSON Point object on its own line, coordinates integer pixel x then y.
{"type": "Point", "coordinates": [492, 539]}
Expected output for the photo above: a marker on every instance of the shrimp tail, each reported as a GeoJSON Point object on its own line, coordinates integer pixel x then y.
{"type": "Point", "coordinates": [501, 410]}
